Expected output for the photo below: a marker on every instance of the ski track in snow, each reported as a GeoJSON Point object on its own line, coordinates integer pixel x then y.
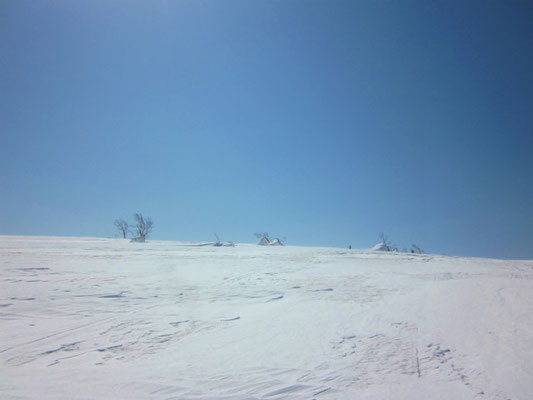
{"type": "Point", "coordinates": [168, 320]}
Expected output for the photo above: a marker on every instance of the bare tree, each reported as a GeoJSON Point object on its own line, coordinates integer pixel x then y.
{"type": "Point", "coordinates": [143, 226]}
{"type": "Point", "coordinates": [122, 226]}
{"type": "Point", "coordinates": [385, 240]}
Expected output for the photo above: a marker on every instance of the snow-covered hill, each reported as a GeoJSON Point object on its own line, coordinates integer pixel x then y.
{"type": "Point", "coordinates": [84, 318]}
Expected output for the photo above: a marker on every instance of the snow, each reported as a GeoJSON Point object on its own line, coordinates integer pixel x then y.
{"type": "Point", "coordinates": [380, 247]}
{"type": "Point", "coordinates": [264, 241]}
{"type": "Point", "coordinates": [86, 318]}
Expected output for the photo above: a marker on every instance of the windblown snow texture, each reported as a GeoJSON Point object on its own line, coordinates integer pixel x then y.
{"type": "Point", "coordinates": [108, 319]}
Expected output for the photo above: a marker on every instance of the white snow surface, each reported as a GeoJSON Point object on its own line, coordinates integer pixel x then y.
{"type": "Point", "coordinates": [380, 247]}
{"type": "Point", "coordinates": [85, 318]}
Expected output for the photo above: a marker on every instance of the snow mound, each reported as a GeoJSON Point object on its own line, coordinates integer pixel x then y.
{"type": "Point", "coordinates": [264, 241]}
{"type": "Point", "coordinates": [276, 242]}
{"type": "Point", "coordinates": [380, 247]}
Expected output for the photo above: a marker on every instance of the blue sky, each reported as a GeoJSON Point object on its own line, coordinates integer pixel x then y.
{"type": "Point", "coordinates": [323, 121]}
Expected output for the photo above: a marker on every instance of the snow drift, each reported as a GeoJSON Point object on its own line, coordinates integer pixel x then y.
{"type": "Point", "coordinates": [264, 241]}
{"type": "Point", "coordinates": [380, 247]}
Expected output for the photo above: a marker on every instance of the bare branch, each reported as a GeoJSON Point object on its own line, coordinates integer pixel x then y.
{"type": "Point", "coordinates": [122, 226]}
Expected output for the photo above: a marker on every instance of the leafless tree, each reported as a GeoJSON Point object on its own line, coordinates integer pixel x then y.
{"type": "Point", "coordinates": [122, 226]}
{"type": "Point", "coordinates": [385, 240]}
{"type": "Point", "coordinates": [143, 226]}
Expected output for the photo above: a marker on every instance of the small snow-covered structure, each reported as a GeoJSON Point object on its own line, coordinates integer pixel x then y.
{"type": "Point", "coordinates": [276, 242]}
{"type": "Point", "coordinates": [140, 239]}
{"type": "Point", "coordinates": [380, 247]}
{"type": "Point", "coordinates": [264, 241]}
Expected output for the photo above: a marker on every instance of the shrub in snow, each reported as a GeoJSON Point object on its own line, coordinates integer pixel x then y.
{"type": "Point", "coordinates": [416, 250]}
{"type": "Point", "coordinates": [264, 241]}
{"type": "Point", "coordinates": [140, 239]}
{"type": "Point", "coordinates": [263, 238]}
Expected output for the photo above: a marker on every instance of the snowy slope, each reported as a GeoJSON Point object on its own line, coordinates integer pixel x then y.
{"type": "Point", "coordinates": [84, 318]}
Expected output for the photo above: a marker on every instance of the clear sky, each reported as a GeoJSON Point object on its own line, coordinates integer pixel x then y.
{"type": "Point", "coordinates": [323, 121]}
